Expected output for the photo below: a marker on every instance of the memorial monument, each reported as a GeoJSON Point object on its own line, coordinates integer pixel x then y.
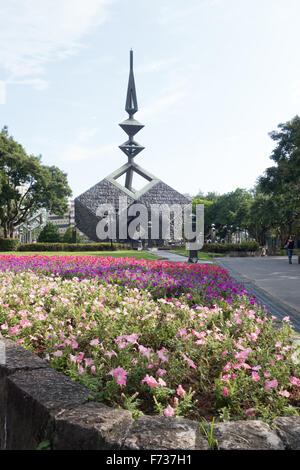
{"type": "Point", "coordinates": [109, 190]}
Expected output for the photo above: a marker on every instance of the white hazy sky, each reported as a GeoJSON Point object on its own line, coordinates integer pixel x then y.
{"type": "Point", "coordinates": [213, 78]}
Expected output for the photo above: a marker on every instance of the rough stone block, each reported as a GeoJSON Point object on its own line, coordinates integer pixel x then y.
{"type": "Point", "coordinates": [13, 358]}
{"type": "Point", "coordinates": [17, 358]}
{"type": "Point", "coordinates": [92, 426]}
{"type": "Point", "coordinates": [34, 398]}
{"type": "Point", "coordinates": [163, 433]}
{"type": "Point", "coordinates": [246, 435]}
{"type": "Point", "coordinates": [288, 429]}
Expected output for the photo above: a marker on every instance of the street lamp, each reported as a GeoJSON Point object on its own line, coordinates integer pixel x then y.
{"type": "Point", "coordinates": [149, 234]}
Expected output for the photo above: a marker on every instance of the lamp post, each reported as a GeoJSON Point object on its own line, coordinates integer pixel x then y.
{"type": "Point", "coordinates": [238, 235]}
{"type": "Point", "coordinates": [149, 234]}
{"type": "Point", "coordinates": [74, 237]}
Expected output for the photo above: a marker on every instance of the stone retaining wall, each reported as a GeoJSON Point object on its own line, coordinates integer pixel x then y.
{"type": "Point", "coordinates": [38, 404]}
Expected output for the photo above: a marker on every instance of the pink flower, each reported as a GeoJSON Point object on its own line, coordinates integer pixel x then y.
{"type": "Point", "coordinates": [169, 411]}
{"type": "Point", "coordinates": [132, 338]}
{"type": "Point", "coordinates": [295, 381]}
{"type": "Point", "coordinates": [267, 375]}
{"type": "Point", "coordinates": [181, 332]}
{"type": "Point", "coordinates": [119, 374]}
{"type": "Point", "coordinates": [224, 353]}
{"type": "Point", "coordinates": [161, 355]}
{"type": "Point", "coordinates": [162, 382]}
{"type": "Point", "coordinates": [227, 367]}
{"type": "Point", "coordinates": [161, 372]}
{"type": "Point", "coordinates": [73, 358]}
{"type": "Point", "coordinates": [93, 370]}
{"type": "Point", "coordinates": [80, 370]}
{"type": "Point", "coordinates": [110, 353]}
{"type": "Point", "coordinates": [201, 341]}
{"type": "Point", "coordinates": [255, 376]}
{"type": "Point", "coordinates": [271, 384]}
{"type": "Point", "coordinates": [225, 378]}
{"type": "Point", "coordinates": [89, 362]}
{"type": "Point", "coordinates": [249, 412]}
{"type": "Point", "coordinates": [287, 319]}
{"type": "Point", "coordinates": [57, 353]}
{"type": "Point", "coordinates": [191, 363]}
{"type": "Point", "coordinates": [94, 342]}
{"type": "Point", "coordinates": [284, 393]}
{"type": "Point", "coordinates": [150, 380]}
{"type": "Point", "coordinates": [180, 391]}
{"type": "Point", "coordinates": [225, 392]}
{"type": "Point", "coordinates": [145, 351]}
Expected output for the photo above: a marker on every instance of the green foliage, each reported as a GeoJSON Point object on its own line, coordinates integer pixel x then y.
{"type": "Point", "coordinates": [71, 247]}
{"type": "Point", "coordinates": [45, 445]}
{"type": "Point", "coordinates": [9, 244]}
{"type": "Point", "coordinates": [227, 247]}
{"type": "Point", "coordinates": [282, 181]}
{"type": "Point", "coordinates": [49, 234]}
{"type": "Point", "coordinates": [42, 186]}
{"type": "Point", "coordinates": [207, 431]}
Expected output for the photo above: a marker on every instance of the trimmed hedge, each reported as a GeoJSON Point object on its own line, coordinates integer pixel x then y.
{"type": "Point", "coordinates": [227, 247]}
{"type": "Point", "coordinates": [72, 247]}
{"type": "Point", "coordinates": [9, 244]}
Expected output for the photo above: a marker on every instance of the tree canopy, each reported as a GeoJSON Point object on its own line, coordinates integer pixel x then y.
{"type": "Point", "coordinates": [282, 181]}
{"type": "Point", "coordinates": [26, 185]}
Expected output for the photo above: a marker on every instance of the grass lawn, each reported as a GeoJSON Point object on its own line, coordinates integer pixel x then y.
{"type": "Point", "coordinates": [115, 254]}
{"type": "Point", "coordinates": [204, 255]}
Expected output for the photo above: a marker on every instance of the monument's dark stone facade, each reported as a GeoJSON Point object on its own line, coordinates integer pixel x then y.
{"type": "Point", "coordinates": [109, 190]}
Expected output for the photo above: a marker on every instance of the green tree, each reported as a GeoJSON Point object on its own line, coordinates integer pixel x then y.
{"type": "Point", "coordinates": [265, 216]}
{"type": "Point", "coordinates": [282, 181]}
{"type": "Point", "coordinates": [49, 234]}
{"type": "Point", "coordinates": [231, 209]}
{"type": "Point", "coordinates": [26, 185]}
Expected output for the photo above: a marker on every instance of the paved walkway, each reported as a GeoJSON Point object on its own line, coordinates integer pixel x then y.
{"type": "Point", "coordinates": [175, 257]}
{"type": "Point", "coordinates": [274, 282]}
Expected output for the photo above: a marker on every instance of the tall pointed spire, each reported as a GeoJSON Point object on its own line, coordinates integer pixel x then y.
{"type": "Point", "coordinates": [131, 102]}
{"type": "Point", "coordinates": [131, 148]}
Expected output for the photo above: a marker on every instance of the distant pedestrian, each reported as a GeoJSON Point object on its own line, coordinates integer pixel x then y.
{"type": "Point", "coordinates": [289, 246]}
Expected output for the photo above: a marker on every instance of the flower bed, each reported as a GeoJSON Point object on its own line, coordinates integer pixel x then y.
{"type": "Point", "coordinates": [152, 337]}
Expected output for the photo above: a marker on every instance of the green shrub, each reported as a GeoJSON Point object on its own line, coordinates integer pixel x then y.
{"type": "Point", "coordinates": [227, 247]}
{"type": "Point", "coordinates": [49, 234]}
{"type": "Point", "coordinates": [72, 247]}
{"type": "Point", "coordinates": [9, 244]}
